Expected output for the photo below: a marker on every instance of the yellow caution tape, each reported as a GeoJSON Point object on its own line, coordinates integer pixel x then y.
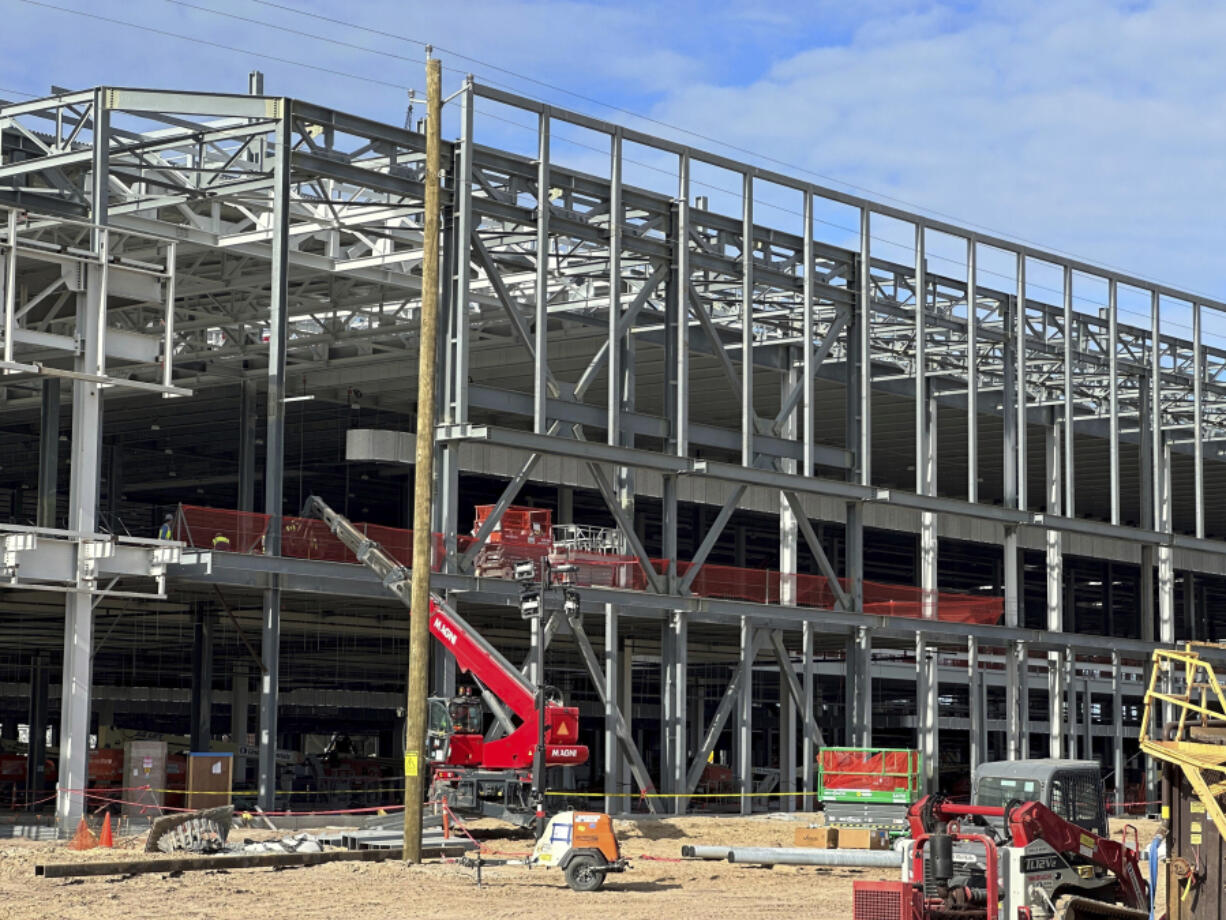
{"type": "Point", "coordinates": [674, 795]}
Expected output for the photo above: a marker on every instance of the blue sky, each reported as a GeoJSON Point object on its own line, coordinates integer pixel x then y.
{"type": "Point", "coordinates": [1087, 126]}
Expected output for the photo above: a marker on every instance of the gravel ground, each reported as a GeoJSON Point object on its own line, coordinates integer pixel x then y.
{"type": "Point", "coordinates": [658, 886]}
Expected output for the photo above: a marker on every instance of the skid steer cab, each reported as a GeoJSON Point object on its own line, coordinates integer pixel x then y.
{"type": "Point", "coordinates": [582, 844]}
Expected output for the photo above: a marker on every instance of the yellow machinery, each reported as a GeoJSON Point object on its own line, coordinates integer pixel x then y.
{"type": "Point", "coordinates": [1192, 748]}
{"type": "Point", "coordinates": [1196, 743]}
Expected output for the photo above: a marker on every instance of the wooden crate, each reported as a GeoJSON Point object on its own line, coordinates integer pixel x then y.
{"type": "Point", "coordinates": [823, 838]}
{"type": "Point", "coordinates": [863, 838]}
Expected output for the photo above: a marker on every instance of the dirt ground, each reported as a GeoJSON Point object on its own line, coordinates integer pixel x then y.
{"type": "Point", "coordinates": [659, 885]}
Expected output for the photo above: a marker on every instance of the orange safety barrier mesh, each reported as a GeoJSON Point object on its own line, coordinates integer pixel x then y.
{"type": "Point", "coordinates": [239, 531]}
{"type": "Point", "coordinates": [524, 538]}
{"type": "Point", "coordinates": [867, 769]}
{"type": "Point", "coordinates": [301, 538]}
{"type": "Point", "coordinates": [762, 586]}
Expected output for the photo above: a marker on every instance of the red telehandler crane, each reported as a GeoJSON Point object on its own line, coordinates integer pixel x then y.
{"type": "Point", "coordinates": [489, 778]}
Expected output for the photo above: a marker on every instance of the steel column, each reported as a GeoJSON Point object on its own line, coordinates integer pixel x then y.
{"type": "Point", "coordinates": [677, 768]}
{"type": "Point", "coordinates": [202, 681]}
{"type": "Point", "coordinates": [858, 689]}
{"type": "Point", "coordinates": [248, 414]}
{"type": "Point", "coordinates": [859, 411]}
{"type": "Point", "coordinates": [1019, 354]}
{"type": "Point", "coordinates": [83, 488]}
{"type": "Point", "coordinates": [1113, 397]}
{"type": "Point", "coordinates": [1070, 408]}
{"type": "Point", "coordinates": [612, 694]}
{"type": "Point", "coordinates": [1055, 589]}
{"type": "Point", "coordinates": [540, 389]}
{"type": "Point", "coordinates": [744, 722]}
{"type": "Point", "coordinates": [972, 372]}
{"type": "Point", "coordinates": [1198, 423]}
{"type": "Point", "coordinates": [927, 694]}
{"type": "Point", "coordinates": [787, 749]}
{"type": "Point", "coordinates": [240, 687]}
{"type": "Point", "coordinates": [928, 541]}
{"type": "Point", "coordinates": [807, 335]}
{"type": "Point", "coordinates": [274, 456]}
{"type": "Point", "coordinates": [8, 286]}
{"type": "Point", "coordinates": [860, 367]}
{"type": "Point", "coordinates": [680, 340]}
{"type": "Point", "coordinates": [1166, 562]}
{"type": "Point", "coordinates": [36, 751]}
{"type": "Point", "coordinates": [48, 451]}
{"type": "Point", "coordinates": [83, 515]}
{"type": "Point", "coordinates": [1117, 733]}
{"type": "Point", "coordinates": [788, 525]}
{"type": "Point", "coordinates": [808, 749]}
{"type": "Point", "coordinates": [454, 331]}
{"type": "Point", "coordinates": [747, 322]}
{"type": "Point", "coordinates": [976, 708]}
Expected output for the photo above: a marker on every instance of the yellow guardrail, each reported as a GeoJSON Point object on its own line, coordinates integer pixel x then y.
{"type": "Point", "coordinates": [1201, 705]}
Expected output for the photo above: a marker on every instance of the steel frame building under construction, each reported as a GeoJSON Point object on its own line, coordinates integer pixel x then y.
{"type": "Point", "coordinates": [214, 297]}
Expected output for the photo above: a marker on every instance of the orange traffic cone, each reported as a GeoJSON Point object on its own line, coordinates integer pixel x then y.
{"type": "Point", "coordinates": [83, 839]}
{"type": "Point", "coordinates": [105, 839]}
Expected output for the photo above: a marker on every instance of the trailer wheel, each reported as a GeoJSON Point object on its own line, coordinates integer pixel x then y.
{"type": "Point", "coordinates": [583, 873]}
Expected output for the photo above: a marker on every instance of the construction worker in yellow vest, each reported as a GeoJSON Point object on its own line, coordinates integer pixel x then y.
{"type": "Point", "coordinates": [221, 543]}
{"type": "Point", "coordinates": [166, 531]}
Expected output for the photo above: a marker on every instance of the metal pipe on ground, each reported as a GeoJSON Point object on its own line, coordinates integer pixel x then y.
{"type": "Point", "coordinates": [720, 853]}
{"type": "Point", "coordinates": [790, 856]}
{"type": "Point", "coordinates": [232, 861]}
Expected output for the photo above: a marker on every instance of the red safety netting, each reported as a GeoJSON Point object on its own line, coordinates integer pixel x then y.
{"type": "Point", "coordinates": [763, 586]}
{"type": "Point", "coordinates": [301, 538]}
{"type": "Point", "coordinates": [221, 529]}
{"type": "Point", "coordinates": [881, 771]}
{"type": "Point", "coordinates": [525, 534]}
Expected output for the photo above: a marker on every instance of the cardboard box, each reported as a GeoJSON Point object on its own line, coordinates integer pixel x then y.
{"type": "Point", "coordinates": [823, 838]}
{"type": "Point", "coordinates": [863, 838]}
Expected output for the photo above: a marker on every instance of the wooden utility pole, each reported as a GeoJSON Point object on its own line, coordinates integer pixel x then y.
{"type": "Point", "coordinates": [416, 765]}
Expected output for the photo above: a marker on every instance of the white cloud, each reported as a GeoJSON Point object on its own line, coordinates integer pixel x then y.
{"type": "Point", "coordinates": [1086, 126]}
